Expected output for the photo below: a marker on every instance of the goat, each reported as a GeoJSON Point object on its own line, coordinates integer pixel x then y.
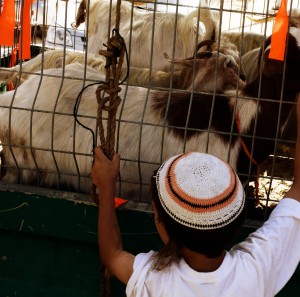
{"type": "Point", "coordinates": [268, 83]}
{"type": "Point", "coordinates": [42, 136]}
{"type": "Point", "coordinates": [137, 27]}
{"type": "Point", "coordinates": [251, 63]}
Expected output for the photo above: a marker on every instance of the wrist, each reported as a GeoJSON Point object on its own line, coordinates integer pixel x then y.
{"type": "Point", "coordinates": [107, 192]}
{"type": "Point", "coordinates": [104, 183]}
{"type": "Point", "coordinates": [108, 186]}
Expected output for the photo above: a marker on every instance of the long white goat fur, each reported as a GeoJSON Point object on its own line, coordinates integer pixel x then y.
{"type": "Point", "coordinates": [141, 138]}
{"type": "Point", "coordinates": [136, 28]}
{"type": "Point", "coordinates": [59, 58]}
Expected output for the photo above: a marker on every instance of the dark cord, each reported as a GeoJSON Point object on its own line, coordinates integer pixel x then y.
{"type": "Point", "coordinates": [76, 106]}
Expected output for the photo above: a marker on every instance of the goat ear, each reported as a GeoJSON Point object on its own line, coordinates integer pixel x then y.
{"type": "Point", "coordinates": [190, 63]}
{"type": "Point", "coordinates": [185, 78]}
{"type": "Point", "coordinates": [271, 66]}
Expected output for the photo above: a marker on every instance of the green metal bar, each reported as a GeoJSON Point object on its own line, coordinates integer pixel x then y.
{"type": "Point", "coordinates": [48, 244]}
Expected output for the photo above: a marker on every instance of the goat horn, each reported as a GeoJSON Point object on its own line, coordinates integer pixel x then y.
{"type": "Point", "coordinates": [207, 42]}
{"type": "Point", "coordinates": [167, 57]}
{"type": "Point", "coordinates": [269, 18]}
{"type": "Point", "coordinates": [203, 55]}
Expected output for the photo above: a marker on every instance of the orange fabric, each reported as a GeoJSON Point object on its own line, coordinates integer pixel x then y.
{"type": "Point", "coordinates": [279, 32]}
{"type": "Point", "coordinates": [13, 57]}
{"type": "Point", "coordinates": [10, 86]}
{"type": "Point", "coordinates": [7, 23]}
{"type": "Point", "coordinates": [119, 202]}
{"type": "Point", "coordinates": [25, 36]}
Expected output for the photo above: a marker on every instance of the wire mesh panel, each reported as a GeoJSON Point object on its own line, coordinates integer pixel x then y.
{"type": "Point", "coordinates": [199, 79]}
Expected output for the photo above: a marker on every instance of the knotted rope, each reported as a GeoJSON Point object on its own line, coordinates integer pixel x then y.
{"type": "Point", "coordinates": [115, 50]}
{"type": "Point", "coordinates": [110, 103]}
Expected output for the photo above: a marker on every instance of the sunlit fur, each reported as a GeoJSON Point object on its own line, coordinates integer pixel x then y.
{"type": "Point", "coordinates": [54, 137]}
{"type": "Point", "coordinates": [46, 60]}
{"type": "Point", "coordinates": [136, 27]}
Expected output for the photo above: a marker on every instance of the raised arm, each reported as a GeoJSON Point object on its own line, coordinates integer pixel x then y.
{"type": "Point", "coordinates": [117, 261]}
{"type": "Point", "coordinates": [294, 192]}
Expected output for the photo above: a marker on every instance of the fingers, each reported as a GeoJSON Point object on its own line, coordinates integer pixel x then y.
{"type": "Point", "coordinates": [104, 171]}
{"type": "Point", "coordinates": [116, 157]}
{"type": "Point", "coordinates": [100, 154]}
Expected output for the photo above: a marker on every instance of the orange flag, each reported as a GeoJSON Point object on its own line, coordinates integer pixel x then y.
{"type": "Point", "coordinates": [25, 36]}
{"type": "Point", "coordinates": [7, 23]}
{"type": "Point", "coordinates": [119, 202]}
{"type": "Point", "coordinates": [279, 32]}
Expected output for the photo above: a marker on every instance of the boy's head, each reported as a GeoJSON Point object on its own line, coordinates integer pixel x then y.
{"type": "Point", "coordinates": [200, 201]}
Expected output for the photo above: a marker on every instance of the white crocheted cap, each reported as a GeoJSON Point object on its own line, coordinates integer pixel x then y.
{"type": "Point", "coordinates": [200, 191]}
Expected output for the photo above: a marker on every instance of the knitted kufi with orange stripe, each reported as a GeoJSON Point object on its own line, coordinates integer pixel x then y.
{"type": "Point", "coordinates": [200, 191]}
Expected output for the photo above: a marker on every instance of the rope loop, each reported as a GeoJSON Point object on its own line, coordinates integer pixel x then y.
{"type": "Point", "coordinates": [115, 45]}
{"type": "Point", "coordinates": [109, 108]}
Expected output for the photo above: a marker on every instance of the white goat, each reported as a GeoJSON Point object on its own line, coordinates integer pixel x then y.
{"type": "Point", "coordinates": [46, 60]}
{"type": "Point", "coordinates": [137, 27]}
{"type": "Point", "coordinates": [38, 131]}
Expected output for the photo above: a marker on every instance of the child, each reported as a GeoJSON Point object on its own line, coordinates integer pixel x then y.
{"type": "Point", "coordinates": [199, 207]}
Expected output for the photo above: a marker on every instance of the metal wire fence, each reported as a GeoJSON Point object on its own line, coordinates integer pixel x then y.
{"type": "Point", "coordinates": [164, 110]}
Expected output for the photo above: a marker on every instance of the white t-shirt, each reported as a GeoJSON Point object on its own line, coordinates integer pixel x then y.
{"type": "Point", "coordinates": [259, 266]}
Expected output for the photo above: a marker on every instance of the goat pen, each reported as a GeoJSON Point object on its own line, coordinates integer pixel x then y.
{"type": "Point", "coordinates": [195, 80]}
